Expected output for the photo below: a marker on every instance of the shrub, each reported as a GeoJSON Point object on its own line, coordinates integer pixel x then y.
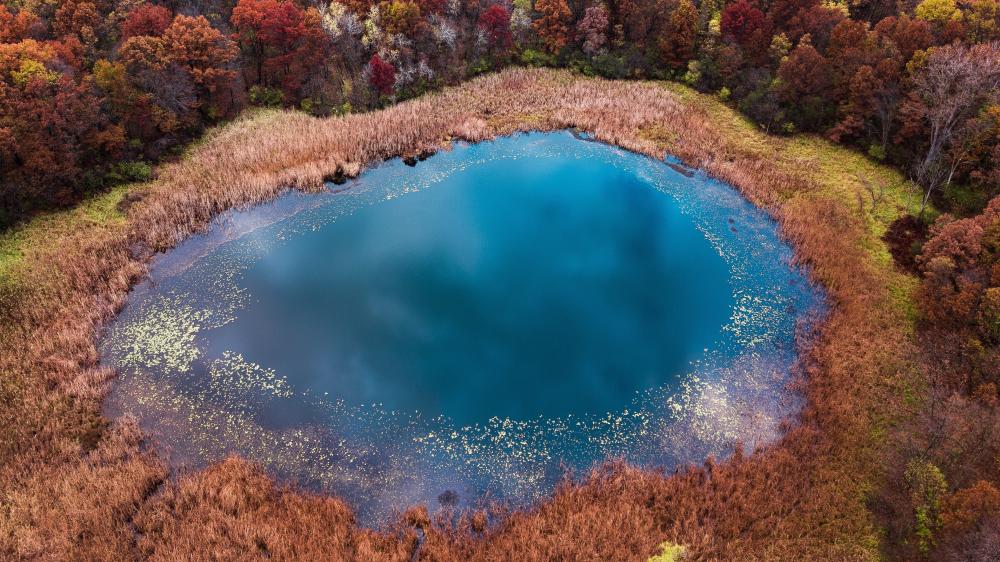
{"type": "Point", "coordinates": [532, 57]}
{"type": "Point", "coordinates": [266, 97]}
{"type": "Point", "coordinates": [126, 172]}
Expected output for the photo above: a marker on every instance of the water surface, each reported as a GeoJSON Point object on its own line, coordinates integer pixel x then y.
{"type": "Point", "coordinates": [479, 323]}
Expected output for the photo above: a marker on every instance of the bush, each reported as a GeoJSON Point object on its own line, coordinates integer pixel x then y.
{"type": "Point", "coordinates": [125, 172]}
{"type": "Point", "coordinates": [964, 200]}
{"type": "Point", "coordinates": [877, 152]}
{"type": "Point", "coordinates": [482, 65]}
{"type": "Point", "coordinates": [582, 66]}
{"type": "Point", "coordinates": [610, 66]}
{"type": "Point", "coordinates": [267, 97]}
{"type": "Point", "coordinates": [693, 75]}
{"type": "Point", "coordinates": [531, 57]}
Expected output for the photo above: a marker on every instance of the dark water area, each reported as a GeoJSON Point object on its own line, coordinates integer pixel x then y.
{"type": "Point", "coordinates": [477, 324]}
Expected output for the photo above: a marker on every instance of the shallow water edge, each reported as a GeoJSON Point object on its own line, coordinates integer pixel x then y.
{"type": "Point", "coordinates": [735, 396]}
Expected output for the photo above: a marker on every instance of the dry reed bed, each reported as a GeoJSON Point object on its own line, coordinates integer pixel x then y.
{"type": "Point", "coordinates": [76, 487]}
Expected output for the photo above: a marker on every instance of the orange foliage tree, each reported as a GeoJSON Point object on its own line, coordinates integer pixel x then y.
{"type": "Point", "coordinates": [553, 27]}
{"type": "Point", "coordinates": [51, 127]}
{"type": "Point", "coordinates": [184, 70]}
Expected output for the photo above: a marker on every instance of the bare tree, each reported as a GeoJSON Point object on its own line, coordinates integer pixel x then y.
{"type": "Point", "coordinates": [952, 88]}
{"type": "Point", "coordinates": [875, 190]}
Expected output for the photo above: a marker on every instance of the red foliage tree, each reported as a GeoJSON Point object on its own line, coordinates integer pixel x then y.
{"type": "Point", "coordinates": [740, 20]}
{"type": "Point", "coordinates": [971, 524]}
{"type": "Point", "coordinates": [960, 266]}
{"type": "Point", "coordinates": [147, 19]}
{"type": "Point", "coordinates": [781, 12]}
{"type": "Point", "coordinates": [381, 75]}
{"type": "Point", "coordinates": [282, 42]}
{"type": "Point", "coordinates": [495, 22]}
{"type": "Point", "coordinates": [851, 46]}
{"type": "Point", "coordinates": [817, 21]}
{"type": "Point", "coordinates": [908, 34]}
{"type": "Point", "coordinates": [51, 128]}
{"type": "Point", "coordinates": [184, 70]}
{"type": "Point", "coordinates": [967, 507]}
{"type": "Point", "coordinates": [871, 103]}
{"type": "Point", "coordinates": [200, 50]}
{"type": "Point", "coordinates": [804, 73]}
{"type": "Point", "coordinates": [678, 41]}
{"type": "Point", "coordinates": [805, 87]}
{"type": "Point", "coordinates": [633, 19]}
{"type": "Point", "coordinates": [428, 7]}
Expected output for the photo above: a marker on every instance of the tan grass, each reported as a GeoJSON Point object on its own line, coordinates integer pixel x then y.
{"type": "Point", "coordinates": [74, 487]}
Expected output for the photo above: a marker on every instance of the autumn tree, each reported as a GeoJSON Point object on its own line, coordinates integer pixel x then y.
{"type": "Point", "coordinates": [633, 20]}
{"type": "Point", "coordinates": [782, 11]}
{"type": "Point", "coordinates": [805, 84]}
{"type": "Point", "coordinates": [381, 75]}
{"type": "Point", "coordinates": [495, 23]}
{"type": "Point", "coordinates": [677, 42]}
{"type": "Point", "coordinates": [592, 29]}
{"type": "Point", "coordinates": [281, 42]}
{"type": "Point", "coordinates": [200, 51]}
{"type": "Point", "coordinates": [186, 69]}
{"type": "Point", "coordinates": [429, 7]}
{"type": "Point", "coordinates": [937, 11]}
{"type": "Point", "coordinates": [400, 17]}
{"type": "Point", "coordinates": [971, 523]}
{"type": "Point", "coordinates": [907, 34]}
{"type": "Point", "coordinates": [953, 85]}
{"type": "Point", "coordinates": [872, 103]}
{"type": "Point", "coordinates": [78, 19]}
{"type": "Point", "coordinates": [553, 24]}
{"type": "Point", "coordinates": [18, 26]}
{"type": "Point", "coordinates": [740, 20]}
{"type": "Point", "coordinates": [51, 129]}
{"type": "Point", "coordinates": [817, 22]}
{"type": "Point", "coordinates": [961, 267]}
{"type": "Point", "coordinates": [147, 19]}
{"type": "Point", "coordinates": [982, 21]}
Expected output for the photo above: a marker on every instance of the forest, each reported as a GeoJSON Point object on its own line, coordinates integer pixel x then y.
{"type": "Point", "coordinates": [98, 94]}
{"type": "Point", "coordinates": [95, 92]}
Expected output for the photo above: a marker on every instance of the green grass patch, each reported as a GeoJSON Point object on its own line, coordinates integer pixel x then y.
{"type": "Point", "coordinates": [874, 192]}
{"type": "Point", "coordinates": [669, 552]}
{"type": "Point", "coordinates": [40, 232]}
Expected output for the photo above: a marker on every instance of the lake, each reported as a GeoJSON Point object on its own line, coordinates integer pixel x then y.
{"type": "Point", "coordinates": [469, 328]}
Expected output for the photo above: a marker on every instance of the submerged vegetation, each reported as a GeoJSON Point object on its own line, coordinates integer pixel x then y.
{"type": "Point", "coordinates": [822, 491]}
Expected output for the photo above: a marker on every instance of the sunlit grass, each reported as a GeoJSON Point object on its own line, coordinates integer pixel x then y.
{"type": "Point", "coordinates": [44, 231]}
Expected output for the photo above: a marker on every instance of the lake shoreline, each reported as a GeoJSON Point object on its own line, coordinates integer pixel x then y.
{"type": "Point", "coordinates": [62, 438]}
{"type": "Point", "coordinates": [673, 239]}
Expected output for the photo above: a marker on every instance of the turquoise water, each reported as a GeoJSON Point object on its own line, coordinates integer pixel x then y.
{"type": "Point", "coordinates": [476, 324]}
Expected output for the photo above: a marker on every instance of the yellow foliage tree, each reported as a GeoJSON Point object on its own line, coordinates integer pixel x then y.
{"type": "Point", "coordinates": [938, 11]}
